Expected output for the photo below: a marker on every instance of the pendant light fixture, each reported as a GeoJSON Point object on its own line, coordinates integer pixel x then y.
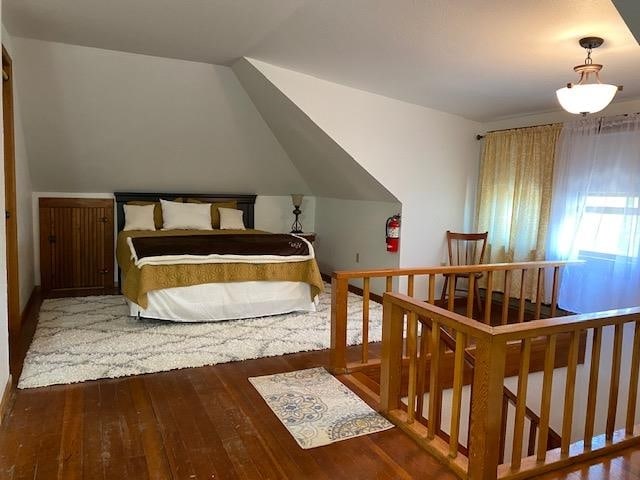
{"type": "Point", "coordinates": [584, 97]}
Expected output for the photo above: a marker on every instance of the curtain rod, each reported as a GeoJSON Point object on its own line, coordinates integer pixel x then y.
{"type": "Point", "coordinates": [480, 137]}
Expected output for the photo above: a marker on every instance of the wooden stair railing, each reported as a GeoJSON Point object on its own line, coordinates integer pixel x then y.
{"type": "Point", "coordinates": [499, 277]}
{"type": "Point", "coordinates": [508, 398]}
{"type": "Point", "coordinates": [614, 428]}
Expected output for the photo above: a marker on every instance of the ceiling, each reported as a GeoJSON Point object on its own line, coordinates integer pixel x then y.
{"type": "Point", "coordinates": [482, 59]}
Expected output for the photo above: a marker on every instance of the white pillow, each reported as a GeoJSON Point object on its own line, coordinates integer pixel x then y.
{"type": "Point", "coordinates": [139, 217]}
{"type": "Point", "coordinates": [231, 219]}
{"type": "Point", "coordinates": [186, 216]}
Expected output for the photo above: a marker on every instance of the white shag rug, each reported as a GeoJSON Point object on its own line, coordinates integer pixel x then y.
{"type": "Point", "coordinates": [316, 408]}
{"type": "Point", "coordinates": [86, 338]}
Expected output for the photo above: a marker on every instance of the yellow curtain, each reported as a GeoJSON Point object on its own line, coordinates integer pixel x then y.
{"type": "Point", "coordinates": [514, 197]}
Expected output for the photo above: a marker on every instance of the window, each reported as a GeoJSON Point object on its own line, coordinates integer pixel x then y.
{"type": "Point", "coordinates": [609, 227]}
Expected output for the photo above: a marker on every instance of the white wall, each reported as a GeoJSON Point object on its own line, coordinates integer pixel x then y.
{"type": "Point", "coordinates": [426, 158]}
{"type": "Point", "coordinates": [272, 213]}
{"type": "Point", "coordinates": [275, 213]}
{"type": "Point", "coordinates": [326, 167]}
{"type": "Point", "coordinates": [351, 235]}
{"type": "Point", "coordinates": [102, 121]}
{"type": "Point", "coordinates": [23, 187]}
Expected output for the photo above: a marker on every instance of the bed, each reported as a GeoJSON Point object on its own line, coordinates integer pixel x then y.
{"type": "Point", "coordinates": [166, 274]}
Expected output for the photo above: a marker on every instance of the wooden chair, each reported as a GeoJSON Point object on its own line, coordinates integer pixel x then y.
{"type": "Point", "coordinates": [465, 249]}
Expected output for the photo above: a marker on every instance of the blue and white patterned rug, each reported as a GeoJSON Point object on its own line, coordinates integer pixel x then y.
{"type": "Point", "coordinates": [316, 408]}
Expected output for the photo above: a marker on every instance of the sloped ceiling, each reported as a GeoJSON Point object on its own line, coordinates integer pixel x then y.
{"type": "Point", "coordinates": [481, 59]}
{"type": "Point", "coordinates": [326, 167]}
{"type": "Point", "coordinates": [98, 121]}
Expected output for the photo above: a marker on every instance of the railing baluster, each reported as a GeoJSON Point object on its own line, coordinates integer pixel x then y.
{"type": "Point", "coordinates": [389, 285]}
{"type": "Point", "coordinates": [391, 366]}
{"type": "Point", "coordinates": [435, 392]}
{"type": "Point", "coordinates": [615, 382]}
{"type": "Point", "coordinates": [539, 293]}
{"type": "Point", "coordinates": [488, 298]}
{"type": "Point", "coordinates": [365, 319]}
{"type": "Point", "coordinates": [594, 370]}
{"type": "Point", "coordinates": [569, 393]}
{"type": "Point", "coordinates": [470, 298]}
{"type": "Point", "coordinates": [412, 333]}
{"type": "Point", "coordinates": [410, 283]}
{"type": "Point", "coordinates": [432, 289]}
{"type": "Point", "coordinates": [505, 297]}
{"type": "Point", "coordinates": [338, 351]}
{"type": "Point", "coordinates": [521, 403]}
{"type": "Point", "coordinates": [554, 291]}
{"type": "Point", "coordinates": [523, 279]}
{"type": "Point", "coordinates": [545, 403]}
{"type": "Point", "coordinates": [633, 380]}
{"type": "Point", "coordinates": [456, 402]}
{"type": "Point", "coordinates": [452, 293]}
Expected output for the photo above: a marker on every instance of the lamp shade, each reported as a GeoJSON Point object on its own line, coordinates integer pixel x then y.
{"type": "Point", "coordinates": [296, 199]}
{"type": "Point", "coordinates": [586, 98]}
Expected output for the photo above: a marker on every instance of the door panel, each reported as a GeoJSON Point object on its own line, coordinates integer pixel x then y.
{"type": "Point", "coordinates": [76, 239]}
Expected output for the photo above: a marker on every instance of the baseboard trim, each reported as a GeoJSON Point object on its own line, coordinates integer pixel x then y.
{"type": "Point", "coordinates": [6, 396]}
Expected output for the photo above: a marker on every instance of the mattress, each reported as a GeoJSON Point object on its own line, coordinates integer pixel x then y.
{"type": "Point", "coordinates": [226, 301]}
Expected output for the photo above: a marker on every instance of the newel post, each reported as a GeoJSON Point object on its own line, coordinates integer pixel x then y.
{"type": "Point", "coordinates": [338, 352]}
{"type": "Point", "coordinates": [391, 361]}
{"type": "Point", "coordinates": [486, 408]}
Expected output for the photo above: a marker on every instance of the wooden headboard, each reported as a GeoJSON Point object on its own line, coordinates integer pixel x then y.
{"type": "Point", "coordinates": [245, 202]}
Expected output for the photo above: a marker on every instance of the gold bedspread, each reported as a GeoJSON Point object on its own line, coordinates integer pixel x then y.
{"type": "Point", "coordinates": [137, 282]}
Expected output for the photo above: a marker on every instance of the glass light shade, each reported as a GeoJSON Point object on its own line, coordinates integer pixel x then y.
{"type": "Point", "coordinates": [589, 98]}
{"type": "Point", "coordinates": [296, 199]}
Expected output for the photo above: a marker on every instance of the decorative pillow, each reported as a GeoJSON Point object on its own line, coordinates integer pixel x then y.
{"type": "Point", "coordinates": [215, 215]}
{"type": "Point", "coordinates": [139, 217]}
{"type": "Point", "coordinates": [186, 216]}
{"type": "Point", "coordinates": [231, 219]}
{"type": "Point", "coordinates": [157, 212]}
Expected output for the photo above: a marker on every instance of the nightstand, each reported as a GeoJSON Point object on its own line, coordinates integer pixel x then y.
{"type": "Point", "coordinates": [308, 236]}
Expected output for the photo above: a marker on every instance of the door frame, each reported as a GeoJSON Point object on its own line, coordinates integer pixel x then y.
{"type": "Point", "coordinates": [11, 220]}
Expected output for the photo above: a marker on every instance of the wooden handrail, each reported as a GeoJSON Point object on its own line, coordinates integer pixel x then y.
{"type": "Point", "coordinates": [519, 331]}
{"type": "Point", "coordinates": [570, 323]}
{"type": "Point", "coordinates": [449, 270]}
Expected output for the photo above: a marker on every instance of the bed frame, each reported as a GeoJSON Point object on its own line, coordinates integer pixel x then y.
{"type": "Point", "coordinates": [245, 203]}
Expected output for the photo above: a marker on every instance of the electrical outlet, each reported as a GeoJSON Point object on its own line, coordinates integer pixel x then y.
{"type": "Point", "coordinates": [357, 258]}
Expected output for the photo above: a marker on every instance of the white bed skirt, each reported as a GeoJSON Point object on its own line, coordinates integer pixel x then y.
{"type": "Point", "coordinates": [226, 301]}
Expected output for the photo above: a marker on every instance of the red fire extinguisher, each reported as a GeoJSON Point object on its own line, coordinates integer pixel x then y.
{"type": "Point", "coordinates": [392, 231]}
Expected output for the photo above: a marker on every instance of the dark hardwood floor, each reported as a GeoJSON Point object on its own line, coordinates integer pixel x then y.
{"type": "Point", "coordinates": [206, 423]}
{"type": "Point", "coordinates": [200, 423]}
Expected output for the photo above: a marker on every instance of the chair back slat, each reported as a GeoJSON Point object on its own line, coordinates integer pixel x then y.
{"type": "Point", "coordinates": [463, 248]}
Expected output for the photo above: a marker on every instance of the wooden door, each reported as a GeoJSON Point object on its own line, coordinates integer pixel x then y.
{"type": "Point", "coordinates": [76, 245]}
{"type": "Point", "coordinates": [11, 221]}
